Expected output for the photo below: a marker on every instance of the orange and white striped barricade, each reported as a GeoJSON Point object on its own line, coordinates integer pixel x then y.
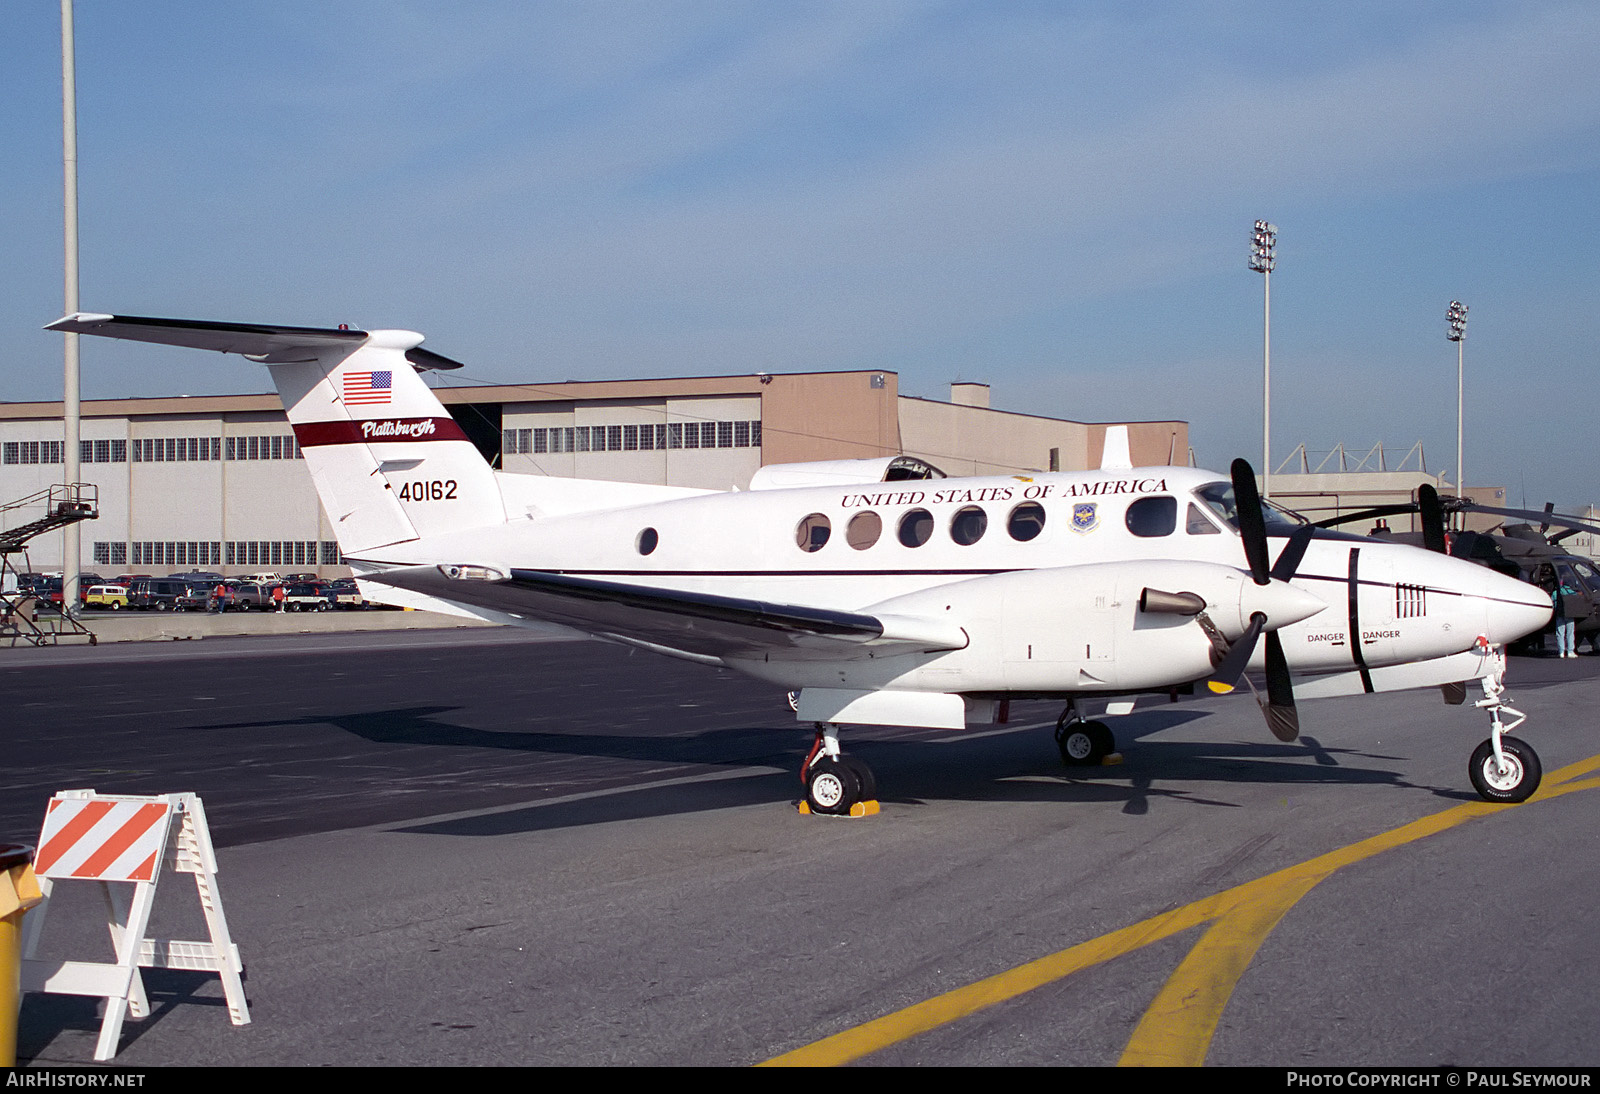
{"type": "Point", "coordinates": [117, 838]}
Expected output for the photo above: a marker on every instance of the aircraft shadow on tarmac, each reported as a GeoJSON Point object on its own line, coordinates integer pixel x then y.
{"type": "Point", "coordinates": [751, 765]}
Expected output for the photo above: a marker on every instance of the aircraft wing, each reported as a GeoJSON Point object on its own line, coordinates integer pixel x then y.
{"type": "Point", "coordinates": [702, 626]}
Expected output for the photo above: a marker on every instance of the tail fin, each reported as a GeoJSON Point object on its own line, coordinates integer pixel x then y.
{"type": "Point", "coordinates": [387, 460]}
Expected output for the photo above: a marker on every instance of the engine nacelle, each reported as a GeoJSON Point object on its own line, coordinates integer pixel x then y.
{"type": "Point", "coordinates": [1115, 625]}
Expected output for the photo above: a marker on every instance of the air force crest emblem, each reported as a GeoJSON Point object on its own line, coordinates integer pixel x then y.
{"type": "Point", "coordinates": [1084, 517]}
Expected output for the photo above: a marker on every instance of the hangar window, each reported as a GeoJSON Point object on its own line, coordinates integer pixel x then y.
{"type": "Point", "coordinates": [968, 525]}
{"type": "Point", "coordinates": [812, 532]}
{"type": "Point", "coordinates": [647, 541]}
{"type": "Point", "coordinates": [1150, 517]}
{"type": "Point", "coordinates": [916, 527]}
{"type": "Point", "coordinates": [863, 530]}
{"type": "Point", "coordinates": [1026, 521]}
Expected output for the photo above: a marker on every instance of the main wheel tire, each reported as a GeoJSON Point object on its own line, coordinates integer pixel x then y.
{"type": "Point", "coordinates": [832, 786]}
{"type": "Point", "coordinates": [1085, 744]}
{"type": "Point", "coordinates": [1519, 780]}
{"type": "Point", "coordinates": [867, 781]}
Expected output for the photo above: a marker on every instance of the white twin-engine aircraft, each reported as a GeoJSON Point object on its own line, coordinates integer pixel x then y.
{"type": "Point", "coordinates": [881, 598]}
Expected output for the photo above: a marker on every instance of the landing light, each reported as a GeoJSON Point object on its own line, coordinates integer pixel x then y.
{"type": "Point", "coordinates": [473, 573]}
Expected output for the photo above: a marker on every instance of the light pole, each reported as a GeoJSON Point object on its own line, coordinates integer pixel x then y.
{"type": "Point", "coordinates": [72, 542]}
{"type": "Point", "coordinates": [1262, 258]}
{"type": "Point", "coordinates": [1456, 316]}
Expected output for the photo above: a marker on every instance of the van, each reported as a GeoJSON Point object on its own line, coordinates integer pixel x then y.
{"type": "Point", "coordinates": [160, 593]}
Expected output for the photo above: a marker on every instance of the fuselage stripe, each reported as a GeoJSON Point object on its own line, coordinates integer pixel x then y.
{"type": "Point", "coordinates": [378, 431]}
{"type": "Point", "coordinates": [1355, 622]}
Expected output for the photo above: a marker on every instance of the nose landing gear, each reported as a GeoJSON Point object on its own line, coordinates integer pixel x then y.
{"type": "Point", "coordinates": [1503, 768]}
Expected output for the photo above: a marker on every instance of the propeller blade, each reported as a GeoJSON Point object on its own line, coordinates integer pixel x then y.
{"type": "Point", "coordinates": [1252, 525]}
{"type": "Point", "coordinates": [1293, 552]}
{"type": "Point", "coordinates": [1228, 671]}
{"type": "Point", "coordinates": [1432, 518]}
{"type": "Point", "coordinates": [1282, 717]}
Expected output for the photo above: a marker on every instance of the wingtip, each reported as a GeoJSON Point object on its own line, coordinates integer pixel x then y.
{"type": "Point", "coordinates": [79, 319]}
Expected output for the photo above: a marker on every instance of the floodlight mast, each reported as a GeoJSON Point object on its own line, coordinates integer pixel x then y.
{"type": "Point", "coordinates": [1456, 316]}
{"type": "Point", "coordinates": [72, 534]}
{"type": "Point", "coordinates": [1263, 258]}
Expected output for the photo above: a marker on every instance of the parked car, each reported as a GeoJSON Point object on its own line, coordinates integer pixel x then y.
{"type": "Point", "coordinates": [158, 593]}
{"type": "Point", "coordinates": [306, 597]}
{"type": "Point", "coordinates": [85, 583]}
{"type": "Point", "coordinates": [199, 595]}
{"type": "Point", "coordinates": [346, 593]}
{"type": "Point", "coordinates": [251, 596]}
{"type": "Point", "coordinates": [110, 597]}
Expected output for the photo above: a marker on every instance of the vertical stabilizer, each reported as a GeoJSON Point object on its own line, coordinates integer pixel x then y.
{"type": "Point", "coordinates": [1115, 455]}
{"type": "Point", "coordinates": [387, 460]}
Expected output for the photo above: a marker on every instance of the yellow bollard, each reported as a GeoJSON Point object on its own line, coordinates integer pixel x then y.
{"type": "Point", "coordinates": [18, 893]}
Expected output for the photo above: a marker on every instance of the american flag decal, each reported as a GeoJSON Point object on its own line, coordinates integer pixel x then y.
{"type": "Point", "coordinates": [364, 388]}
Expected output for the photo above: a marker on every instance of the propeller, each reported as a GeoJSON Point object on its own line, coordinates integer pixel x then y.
{"type": "Point", "coordinates": [1282, 716]}
{"type": "Point", "coordinates": [1432, 518]}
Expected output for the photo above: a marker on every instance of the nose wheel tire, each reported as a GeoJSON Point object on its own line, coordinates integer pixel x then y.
{"type": "Point", "coordinates": [1085, 744]}
{"type": "Point", "coordinates": [1514, 782]}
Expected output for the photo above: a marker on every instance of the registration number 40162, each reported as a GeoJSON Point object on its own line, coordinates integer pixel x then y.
{"type": "Point", "coordinates": [428, 490]}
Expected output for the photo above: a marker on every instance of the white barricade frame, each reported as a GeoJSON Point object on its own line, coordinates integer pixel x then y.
{"type": "Point", "coordinates": [119, 841]}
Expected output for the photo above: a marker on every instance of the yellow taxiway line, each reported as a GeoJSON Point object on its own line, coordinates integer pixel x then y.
{"type": "Point", "coordinates": [1177, 1027]}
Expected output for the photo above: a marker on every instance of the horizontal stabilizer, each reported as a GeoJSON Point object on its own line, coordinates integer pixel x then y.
{"type": "Point", "coordinates": [268, 344]}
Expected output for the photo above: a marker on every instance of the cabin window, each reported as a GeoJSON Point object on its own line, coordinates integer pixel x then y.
{"type": "Point", "coordinates": [647, 541]}
{"type": "Point", "coordinates": [812, 532]}
{"type": "Point", "coordinates": [1197, 524]}
{"type": "Point", "coordinates": [1026, 521]}
{"type": "Point", "coordinates": [916, 527]}
{"type": "Point", "coordinates": [1151, 517]}
{"type": "Point", "coordinates": [968, 525]}
{"type": "Point", "coordinates": [863, 530]}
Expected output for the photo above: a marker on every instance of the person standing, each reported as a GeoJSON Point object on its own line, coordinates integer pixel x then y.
{"type": "Point", "coordinates": [277, 596]}
{"type": "Point", "coordinates": [1565, 626]}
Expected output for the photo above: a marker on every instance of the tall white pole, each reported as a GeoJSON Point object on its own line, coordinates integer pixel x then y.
{"type": "Point", "coordinates": [72, 545]}
{"type": "Point", "coordinates": [1266, 383]}
{"type": "Point", "coordinates": [1263, 257]}
{"type": "Point", "coordinates": [1461, 403]}
{"type": "Point", "coordinates": [1456, 316]}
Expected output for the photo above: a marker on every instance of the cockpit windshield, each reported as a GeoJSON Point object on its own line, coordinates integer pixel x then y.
{"type": "Point", "coordinates": [1218, 497]}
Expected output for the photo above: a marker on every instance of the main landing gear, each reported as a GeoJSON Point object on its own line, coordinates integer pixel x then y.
{"type": "Point", "coordinates": [1082, 744]}
{"type": "Point", "coordinates": [1503, 768]}
{"type": "Point", "coordinates": [836, 785]}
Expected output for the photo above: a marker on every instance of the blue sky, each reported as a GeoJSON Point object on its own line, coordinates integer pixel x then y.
{"type": "Point", "coordinates": [1054, 198]}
